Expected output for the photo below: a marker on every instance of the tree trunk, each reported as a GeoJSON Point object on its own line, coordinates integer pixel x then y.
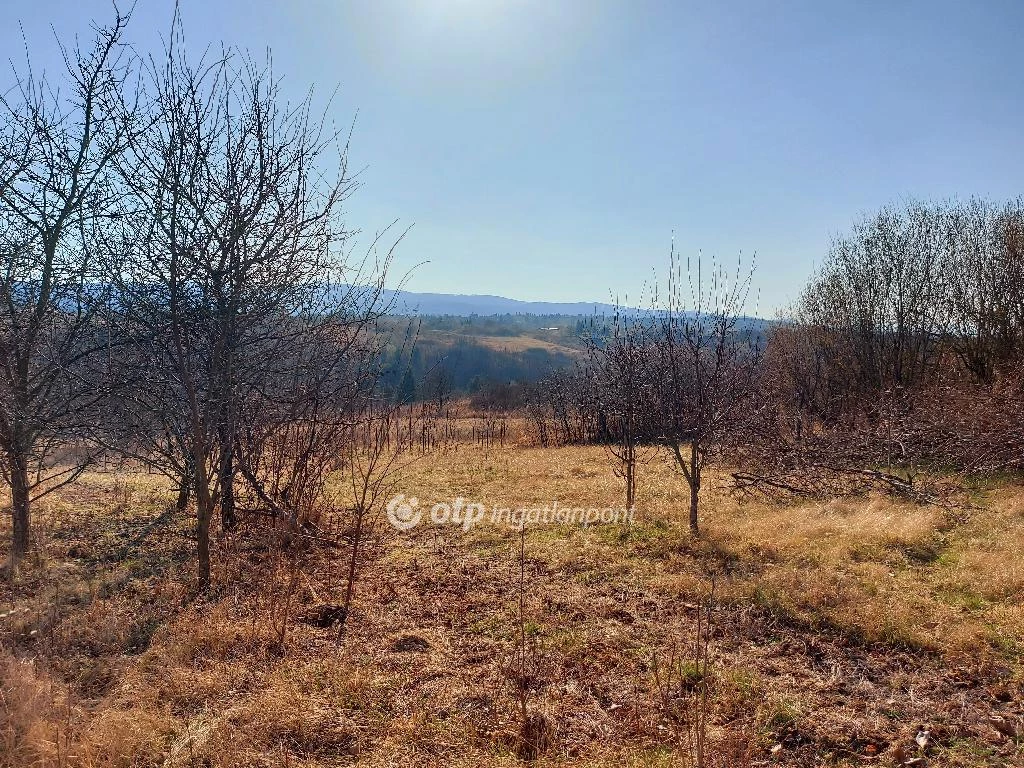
{"type": "Point", "coordinates": [630, 478]}
{"type": "Point", "coordinates": [694, 479]}
{"type": "Point", "coordinates": [226, 472]}
{"type": "Point", "coordinates": [204, 513]}
{"type": "Point", "coordinates": [184, 491]}
{"type": "Point", "coordinates": [353, 563]}
{"type": "Point", "coordinates": [20, 505]}
{"type": "Point", "coordinates": [694, 490]}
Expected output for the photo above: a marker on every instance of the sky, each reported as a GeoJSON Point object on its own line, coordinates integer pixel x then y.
{"type": "Point", "coordinates": [551, 150]}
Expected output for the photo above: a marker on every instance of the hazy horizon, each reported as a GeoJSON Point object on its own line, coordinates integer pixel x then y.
{"type": "Point", "coordinates": [551, 152]}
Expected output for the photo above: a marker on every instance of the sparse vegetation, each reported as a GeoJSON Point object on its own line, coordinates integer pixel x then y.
{"type": "Point", "coordinates": [210, 413]}
{"type": "Point", "coordinates": [829, 635]}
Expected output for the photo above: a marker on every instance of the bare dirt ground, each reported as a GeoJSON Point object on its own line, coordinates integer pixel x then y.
{"type": "Point", "coordinates": [842, 633]}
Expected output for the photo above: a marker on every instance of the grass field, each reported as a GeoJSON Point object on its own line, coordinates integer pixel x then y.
{"type": "Point", "coordinates": [517, 343]}
{"type": "Point", "coordinates": [841, 633]}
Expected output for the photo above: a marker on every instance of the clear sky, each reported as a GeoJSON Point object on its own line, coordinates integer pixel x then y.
{"type": "Point", "coordinates": [547, 150]}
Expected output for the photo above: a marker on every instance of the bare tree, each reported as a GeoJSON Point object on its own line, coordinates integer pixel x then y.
{"type": "Point", "coordinates": [985, 294]}
{"type": "Point", "coordinates": [239, 199]}
{"type": "Point", "coordinates": [880, 294]}
{"type": "Point", "coordinates": [621, 368]}
{"type": "Point", "coordinates": [705, 366]}
{"type": "Point", "coordinates": [58, 247]}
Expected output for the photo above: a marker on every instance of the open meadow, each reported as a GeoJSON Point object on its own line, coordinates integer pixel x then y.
{"type": "Point", "coordinates": [844, 632]}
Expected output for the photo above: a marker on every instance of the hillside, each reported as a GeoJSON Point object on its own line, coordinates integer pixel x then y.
{"type": "Point", "coordinates": [465, 355]}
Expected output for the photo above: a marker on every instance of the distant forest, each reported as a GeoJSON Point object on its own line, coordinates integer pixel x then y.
{"type": "Point", "coordinates": [493, 357]}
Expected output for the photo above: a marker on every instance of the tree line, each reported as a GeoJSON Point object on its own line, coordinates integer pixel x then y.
{"type": "Point", "coordinates": [902, 356]}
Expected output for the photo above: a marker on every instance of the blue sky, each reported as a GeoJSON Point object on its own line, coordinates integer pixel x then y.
{"type": "Point", "coordinates": [548, 150]}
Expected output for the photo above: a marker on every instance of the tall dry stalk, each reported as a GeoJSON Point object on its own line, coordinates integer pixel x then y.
{"type": "Point", "coordinates": [682, 683]}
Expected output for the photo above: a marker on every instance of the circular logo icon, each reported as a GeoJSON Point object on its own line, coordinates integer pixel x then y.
{"type": "Point", "coordinates": [404, 513]}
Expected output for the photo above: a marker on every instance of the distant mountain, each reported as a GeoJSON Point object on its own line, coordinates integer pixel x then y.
{"type": "Point", "coordinates": [408, 303]}
{"type": "Point", "coordinates": [482, 305]}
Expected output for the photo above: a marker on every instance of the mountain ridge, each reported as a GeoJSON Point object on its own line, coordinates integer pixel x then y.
{"type": "Point", "coordinates": [468, 304]}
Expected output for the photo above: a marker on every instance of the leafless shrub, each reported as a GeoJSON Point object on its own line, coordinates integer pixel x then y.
{"type": "Point", "coordinates": [536, 731]}
{"type": "Point", "coordinates": [899, 362]}
{"type": "Point", "coordinates": [561, 409]}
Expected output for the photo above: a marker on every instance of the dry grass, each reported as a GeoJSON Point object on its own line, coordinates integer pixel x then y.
{"type": "Point", "coordinates": [519, 343]}
{"type": "Point", "coordinates": [842, 629]}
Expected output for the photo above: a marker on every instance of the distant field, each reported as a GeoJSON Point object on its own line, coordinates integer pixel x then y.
{"type": "Point", "coordinates": [519, 343]}
{"type": "Point", "coordinates": [839, 631]}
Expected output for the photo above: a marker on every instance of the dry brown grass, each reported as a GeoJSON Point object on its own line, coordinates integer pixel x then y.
{"type": "Point", "coordinates": [519, 343]}
{"type": "Point", "coordinates": [841, 630]}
